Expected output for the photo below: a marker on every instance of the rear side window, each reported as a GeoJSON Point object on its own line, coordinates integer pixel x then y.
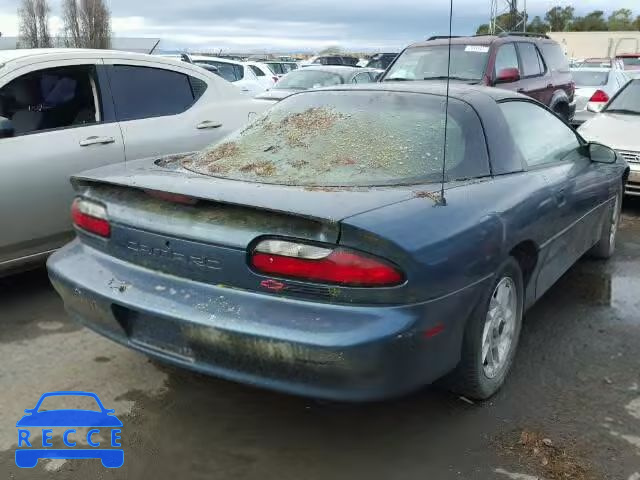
{"type": "Point", "coordinates": [530, 61]}
{"type": "Point", "coordinates": [257, 71]}
{"type": "Point", "coordinates": [145, 92]}
{"type": "Point", "coordinates": [541, 137]}
{"type": "Point", "coordinates": [506, 57]}
{"type": "Point", "coordinates": [352, 138]}
{"type": "Point", "coordinates": [554, 57]}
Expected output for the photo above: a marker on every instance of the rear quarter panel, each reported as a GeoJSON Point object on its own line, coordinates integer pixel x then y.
{"type": "Point", "coordinates": [444, 249]}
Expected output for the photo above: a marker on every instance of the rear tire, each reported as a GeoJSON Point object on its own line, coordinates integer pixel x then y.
{"type": "Point", "coordinates": [562, 110]}
{"type": "Point", "coordinates": [606, 246]}
{"type": "Point", "coordinates": [491, 336]}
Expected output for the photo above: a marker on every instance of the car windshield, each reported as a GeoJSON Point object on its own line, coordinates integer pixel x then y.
{"type": "Point", "coordinates": [631, 61]}
{"type": "Point", "coordinates": [627, 100]}
{"type": "Point", "coordinates": [305, 79]}
{"type": "Point", "coordinates": [351, 138]}
{"type": "Point", "coordinates": [468, 62]}
{"type": "Point", "coordinates": [584, 78]}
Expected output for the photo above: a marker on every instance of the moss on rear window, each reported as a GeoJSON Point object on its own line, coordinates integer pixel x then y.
{"type": "Point", "coordinates": [340, 138]}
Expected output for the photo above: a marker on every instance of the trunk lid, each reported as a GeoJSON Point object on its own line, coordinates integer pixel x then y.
{"type": "Point", "coordinates": [326, 204]}
{"type": "Point", "coordinates": [209, 241]}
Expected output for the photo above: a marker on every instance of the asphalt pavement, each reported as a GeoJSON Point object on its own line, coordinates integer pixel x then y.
{"type": "Point", "coordinates": [569, 410]}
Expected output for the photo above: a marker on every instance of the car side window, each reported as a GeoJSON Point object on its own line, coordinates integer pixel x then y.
{"type": "Point", "coordinates": [53, 98]}
{"type": "Point", "coordinates": [506, 57]}
{"type": "Point", "coordinates": [257, 71]}
{"type": "Point", "coordinates": [530, 60]}
{"type": "Point", "coordinates": [146, 92]}
{"type": "Point", "coordinates": [239, 69]}
{"type": "Point", "coordinates": [362, 78]}
{"type": "Point", "coordinates": [541, 136]}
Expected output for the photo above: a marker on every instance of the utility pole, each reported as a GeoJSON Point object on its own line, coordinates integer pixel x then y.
{"type": "Point", "coordinates": [505, 17]}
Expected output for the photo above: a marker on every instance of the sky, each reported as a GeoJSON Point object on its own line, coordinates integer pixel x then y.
{"type": "Point", "coordinates": [304, 25]}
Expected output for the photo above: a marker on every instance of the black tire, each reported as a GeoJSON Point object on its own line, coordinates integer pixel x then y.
{"type": "Point", "coordinates": [606, 246]}
{"type": "Point", "coordinates": [469, 377]}
{"type": "Point", "coordinates": [562, 111]}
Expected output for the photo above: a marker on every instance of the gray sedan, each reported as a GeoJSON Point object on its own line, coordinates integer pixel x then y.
{"type": "Point", "coordinates": [316, 77]}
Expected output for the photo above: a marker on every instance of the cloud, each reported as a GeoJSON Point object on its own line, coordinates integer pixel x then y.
{"type": "Point", "coordinates": [297, 25]}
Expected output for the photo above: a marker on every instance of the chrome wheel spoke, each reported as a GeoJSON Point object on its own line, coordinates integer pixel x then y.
{"type": "Point", "coordinates": [499, 328]}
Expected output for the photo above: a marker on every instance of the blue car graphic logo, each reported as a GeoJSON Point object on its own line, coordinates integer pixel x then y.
{"type": "Point", "coordinates": [28, 453]}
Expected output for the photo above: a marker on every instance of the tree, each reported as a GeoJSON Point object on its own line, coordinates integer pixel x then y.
{"type": "Point", "coordinates": [34, 24]}
{"type": "Point", "coordinates": [87, 23]}
{"type": "Point", "coordinates": [594, 22]}
{"type": "Point", "coordinates": [483, 29]}
{"type": "Point", "coordinates": [621, 20]}
{"type": "Point", "coordinates": [559, 18]}
{"type": "Point", "coordinates": [636, 24]}
{"type": "Point", "coordinates": [538, 26]}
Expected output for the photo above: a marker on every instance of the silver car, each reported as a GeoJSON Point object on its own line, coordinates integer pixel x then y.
{"type": "Point", "coordinates": [594, 87]}
{"type": "Point", "coordinates": [63, 111]}
{"type": "Point", "coordinates": [618, 126]}
{"type": "Point", "coordinates": [317, 77]}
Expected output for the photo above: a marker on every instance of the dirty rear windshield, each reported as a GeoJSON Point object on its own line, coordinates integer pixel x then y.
{"type": "Point", "coordinates": [468, 62]}
{"type": "Point", "coordinates": [351, 138]}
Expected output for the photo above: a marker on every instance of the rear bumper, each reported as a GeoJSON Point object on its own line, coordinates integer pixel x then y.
{"type": "Point", "coordinates": [339, 352]}
{"type": "Point", "coordinates": [633, 183]}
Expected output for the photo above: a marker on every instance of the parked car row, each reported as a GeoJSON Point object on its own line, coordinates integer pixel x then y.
{"type": "Point", "coordinates": [341, 244]}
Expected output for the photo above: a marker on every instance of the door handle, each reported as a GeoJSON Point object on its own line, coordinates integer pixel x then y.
{"type": "Point", "coordinates": [550, 85]}
{"type": "Point", "coordinates": [561, 197]}
{"type": "Point", "coordinates": [96, 141]}
{"type": "Point", "coordinates": [520, 90]}
{"type": "Point", "coordinates": [208, 124]}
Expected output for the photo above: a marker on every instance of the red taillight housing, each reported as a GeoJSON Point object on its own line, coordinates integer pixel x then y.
{"type": "Point", "coordinates": [337, 266]}
{"type": "Point", "coordinates": [91, 217]}
{"type": "Point", "coordinates": [599, 97]}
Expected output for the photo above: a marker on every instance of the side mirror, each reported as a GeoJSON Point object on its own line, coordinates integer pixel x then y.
{"type": "Point", "coordinates": [595, 107]}
{"type": "Point", "coordinates": [508, 75]}
{"type": "Point", "coordinates": [601, 153]}
{"type": "Point", "coordinates": [6, 128]}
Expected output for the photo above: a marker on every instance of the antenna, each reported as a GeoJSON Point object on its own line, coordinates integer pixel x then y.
{"type": "Point", "coordinates": [442, 202]}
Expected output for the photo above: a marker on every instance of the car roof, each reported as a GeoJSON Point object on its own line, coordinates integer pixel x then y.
{"type": "Point", "coordinates": [480, 40]}
{"type": "Point", "coordinates": [342, 70]}
{"type": "Point", "coordinates": [591, 69]}
{"type": "Point", "coordinates": [8, 56]}
{"type": "Point", "coordinates": [204, 58]}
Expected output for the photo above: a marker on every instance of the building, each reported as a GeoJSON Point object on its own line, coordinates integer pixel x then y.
{"type": "Point", "coordinates": [580, 45]}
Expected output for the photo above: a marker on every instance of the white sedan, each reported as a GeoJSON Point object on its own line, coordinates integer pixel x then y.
{"type": "Point", "coordinates": [251, 78]}
{"type": "Point", "coordinates": [63, 111]}
{"type": "Point", "coordinates": [618, 126]}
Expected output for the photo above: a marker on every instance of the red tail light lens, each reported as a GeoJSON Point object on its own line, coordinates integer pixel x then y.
{"type": "Point", "coordinates": [339, 266]}
{"type": "Point", "coordinates": [90, 216]}
{"type": "Point", "coordinates": [599, 97]}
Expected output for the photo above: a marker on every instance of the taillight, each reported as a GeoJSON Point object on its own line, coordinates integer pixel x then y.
{"type": "Point", "coordinates": [599, 97]}
{"type": "Point", "coordinates": [339, 266]}
{"type": "Point", "coordinates": [90, 216]}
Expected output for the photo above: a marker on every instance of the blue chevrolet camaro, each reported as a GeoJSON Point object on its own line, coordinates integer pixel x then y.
{"type": "Point", "coordinates": [313, 252]}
